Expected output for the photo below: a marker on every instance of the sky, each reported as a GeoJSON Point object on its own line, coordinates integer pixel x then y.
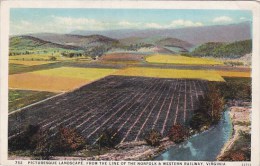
{"type": "Point", "coordinates": [24, 21]}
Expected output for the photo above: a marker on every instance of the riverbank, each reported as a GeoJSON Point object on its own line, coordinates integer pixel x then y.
{"type": "Point", "coordinates": [137, 150]}
{"type": "Point", "coordinates": [234, 150]}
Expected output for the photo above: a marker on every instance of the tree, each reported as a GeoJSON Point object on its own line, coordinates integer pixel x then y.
{"type": "Point", "coordinates": [44, 148]}
{"type": "Point", "coordinates": [210, 108]}
{"type": "Point", "coordinates": [153, 138]}
{"type": "Point", "coordinates": [109, 138]}
{"type": "Point", "coordinates": [213, 103]}
{"type": "Point", "coordinates": [52, 58]}
{"type": "Point", "coordinates": [178, 133]}
{"type": "Point", "coordinates": [23, 141]}
{"type": "Point", "coordinates": [67, 139]}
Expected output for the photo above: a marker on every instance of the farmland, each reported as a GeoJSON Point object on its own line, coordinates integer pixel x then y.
{"type": "Point", "coordinates": [131, 105]}
{"type": "Point", "coordinates": [178, 59]}
{"type": "Point", "coordinates": [170, 73]}
{"type": "Point", "coordinates": [123, 57]}
{"type": "Point", "coordinates": [94, 84]}
{"type": "Point", "coordinates": [58, 79]}
{"type": "Point", "coordinates": [44, 57]}
{"type": "Point", "coordinates": [29, 63]}
{"type": "Point", "coordinates": [234, 74]}
{"type": "Point", "coordinates": [90, 74]}
{"type": "Point", "coordinates": [21, 98]}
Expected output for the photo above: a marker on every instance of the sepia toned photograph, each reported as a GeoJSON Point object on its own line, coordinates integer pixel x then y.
{"type": "Point", "coordinates": [129, 84]}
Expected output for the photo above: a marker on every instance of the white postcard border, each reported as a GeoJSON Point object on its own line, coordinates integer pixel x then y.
{"type": "Point", "coordinates": [232, 5]}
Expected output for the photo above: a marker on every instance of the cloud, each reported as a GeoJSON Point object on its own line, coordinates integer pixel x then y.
{"type": "Point", "coordinates": [57, 24]}
{"type": "Point", "coordinates": [222, 19]}
{"type": "Point", "coordinates": [127, 24]}
{"type": "Point", "coordinates": [78, 23]}
{"type": "Point", "coordinates": [185, 23]}
{"type": "Point", "coordinates": [154, 25]}
{"type": "Point", "coordinates": [175, 24]}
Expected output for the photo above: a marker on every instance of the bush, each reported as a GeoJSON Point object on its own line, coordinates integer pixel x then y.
{"type": "Point", "coordinates": [210, 109]}
{"type": "Point", "coordinates": [44, 143]}
{"type": "Point", "coordinates": [24, 141]}
{"type": "Point", "coordinates": [153, 138]}
{"type": "Point", "coordinates": [44, 148]}
{"type": "Point", "coordinates": [178, 133]}
{"type": "Point", "coordinates": [52, 58]}
{"type": "Point", "coordinates": [67, 140]}
{"type": "Point", "coordinates": [109, 138]}
{"type": "Point", "coordinates": [199, 120]}
{"type": "Point", "coordinates": [233, 63]}
{"type": "Point", "coordinates": [214, 103]}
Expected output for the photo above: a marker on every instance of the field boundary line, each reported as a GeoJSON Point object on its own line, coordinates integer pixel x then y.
{"type": "Point", "coordinates": [20, 109]}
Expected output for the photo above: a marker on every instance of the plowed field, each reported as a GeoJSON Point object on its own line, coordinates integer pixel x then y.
{"type": "Point", "coordinates": [131, 105]}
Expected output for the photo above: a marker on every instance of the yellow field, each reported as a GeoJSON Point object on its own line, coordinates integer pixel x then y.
{"type": "Point", "coordinates": [30, 57]}
{"type": "Point", "coordinates": [170, 73]}
{"type": "Point", "coordinates": [81, 73]}
{"type": "Point", "coordinates": [178, 59]}
{"type": "Point", "coordinates": [30, 81]}
{"type": "Point", "coordinates": [43, 57]}
{"type": "Point", "coordinates": [30, 63]}
{"type": "Point", "coordinates": [58, 79]}
{"type": "Point", "coordinates": [234, 74]}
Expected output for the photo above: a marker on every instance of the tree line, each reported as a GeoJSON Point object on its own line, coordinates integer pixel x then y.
{"type": "Point", "coordinates": [223, 50]}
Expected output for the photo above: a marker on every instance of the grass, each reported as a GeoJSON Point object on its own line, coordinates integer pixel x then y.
{"type": "Point", "coordinates": [234, 74]}
{"type": "Point", "coordinates": [170, 73]}
{"type": "Point", "coordinates": [90, 74]}
{"type": "Point", "coordinates": [37, 82]}
{"type": "Point", "coordinates": [57, 79]}
{"type": "Point", "coordinates": [178, 59]}
{"type": "Point", "coordinates": [18, 68]}
{"type": "Point", "coordinates": [45, 57]}
{"type": "Point", "coordinates": [21, 98]}
{"type": "Point", "coordinates": [31, 57]}
{"type": "Point", "coordinates": [29, 63]}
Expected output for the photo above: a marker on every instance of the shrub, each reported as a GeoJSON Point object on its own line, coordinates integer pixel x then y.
{"type": "Point", "coordinates": [238, 156]}
{"type": "Point", "coordinates": [109, 138]}
{"type": "Point", "coordinates": [52, 58]}
{"type": "Point", "coordinates": [24, 141]}
{"type": "Point", "coordinates": [67, 140]}
{"type": "Point", "coordinates": [178, 133]}
{"type": "Point", "coordinates": [153, 138]}
{"type": "Point", "coordinates": [44, 148]}
{"type": "Point", "coordinates": [199, 120]}
{"type": "Point", "coordinates": [214, 103]}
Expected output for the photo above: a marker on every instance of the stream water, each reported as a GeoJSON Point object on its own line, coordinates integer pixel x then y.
{"type": "Point", "coordinates": [204, 146]}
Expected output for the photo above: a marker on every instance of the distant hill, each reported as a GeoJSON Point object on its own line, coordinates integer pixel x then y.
{"type": "Point", "coordinates": [30, 44]}
{"type": "Point", "coordinates": [193, 35]}
{"type": "Point", "coordinates": [77, 40]}
{"type": "Point", "coordinates": [173, 42]}
{"type": "Point", "coordinates": [224, 50]}
{"type": "Point", "coordinates": [94, 42]}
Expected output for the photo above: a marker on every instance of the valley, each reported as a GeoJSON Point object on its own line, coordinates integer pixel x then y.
{"type": "Point", "coordinates": [110, 92]}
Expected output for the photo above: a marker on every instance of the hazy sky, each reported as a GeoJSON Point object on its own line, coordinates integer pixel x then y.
{"type": "Point", "coordinates": [23, 21]}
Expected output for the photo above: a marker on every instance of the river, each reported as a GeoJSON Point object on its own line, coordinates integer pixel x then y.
{"type": "Point", "coordinates": [204, 146]}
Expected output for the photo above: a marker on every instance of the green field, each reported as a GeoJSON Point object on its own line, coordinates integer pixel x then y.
{"type": "Point", "coordinates": [181, 60]}
{"type": "Point", "coordinates": [22, 98]}
{"type": "Point", "coordinates": [19, 68]}
{"type": "Point", "coordinates": [90, 74]}
{"type": "Point", "coordinates": [170, 73]}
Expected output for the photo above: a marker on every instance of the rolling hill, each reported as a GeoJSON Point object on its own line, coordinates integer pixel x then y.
{"type": "Point", "coordinates": [193, 35]}
{"type": "Point", "coordinates": [95, 44]}
{"type": "Point", "coordinates": [77, 40]}
{"type": "Point", "coordinates": [32, 44]}
{"type": "Point", "coordinates": [224, 50]}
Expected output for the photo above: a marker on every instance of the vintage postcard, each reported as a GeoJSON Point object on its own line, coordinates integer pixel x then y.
{"type": "Point", "coordinates": [130, 83]}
